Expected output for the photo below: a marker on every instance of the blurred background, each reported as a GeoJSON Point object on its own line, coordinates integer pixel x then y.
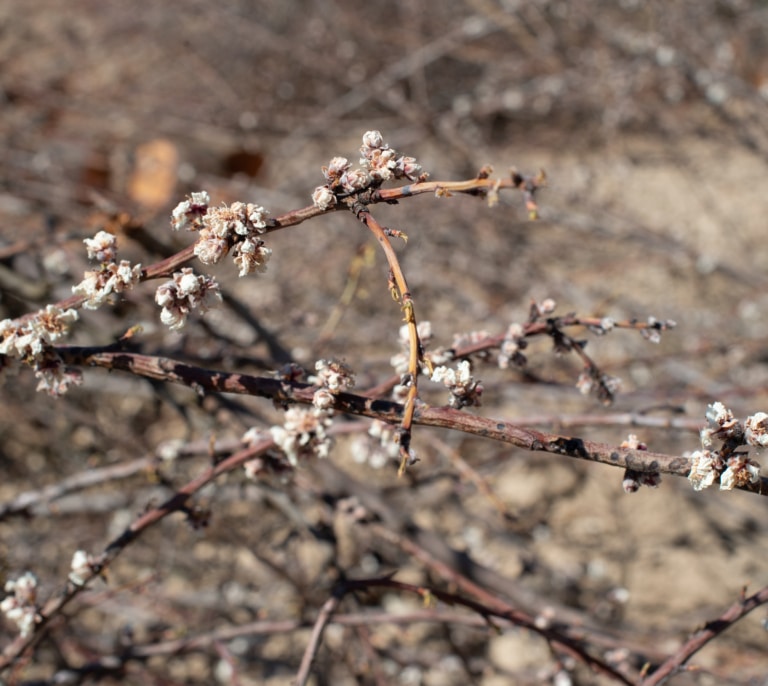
{"type": "Point", "coordinates": [651, 121]}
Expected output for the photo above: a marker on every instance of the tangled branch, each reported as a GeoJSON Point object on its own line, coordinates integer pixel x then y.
{"type": "Point", "coordinates": [311, 402]}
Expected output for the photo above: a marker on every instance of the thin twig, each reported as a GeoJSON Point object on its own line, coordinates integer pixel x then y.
{"type": "Point", "coordinates": [23, 503]}
{"type": "Point", "coordinates": [478, 186]}
{"type": "Point", "coordinates": [323, 617]}
{"type": "Point", "coordinates": [416, 356]}
{"type": "Point", "coordinates": [177, 502]}
{"type": "Point", "coordinates": [466, 471]}
{"type": "Point", "coordinates": [492, 606]}
{"type": "Point", "coordinates": [204, 641]}
{"type": "Point", "coordinates": [703, 636]}
{"type": "Point", "coordinates": [482, 185]}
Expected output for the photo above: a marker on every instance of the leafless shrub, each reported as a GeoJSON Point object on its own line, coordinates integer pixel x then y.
{"type": "Point", "coordinates": [312, 402]}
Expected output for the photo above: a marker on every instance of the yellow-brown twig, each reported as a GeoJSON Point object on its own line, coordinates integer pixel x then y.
{"type": "Point", "coordinates": [416, 356]}
{"type": "Point", "coordinates": [483, 185]}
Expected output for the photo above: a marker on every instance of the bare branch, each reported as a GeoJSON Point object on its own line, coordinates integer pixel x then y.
{"type": "Point", "coordinates": [711, 630]}
{"type": "Point", "coordinates": [445, 417]}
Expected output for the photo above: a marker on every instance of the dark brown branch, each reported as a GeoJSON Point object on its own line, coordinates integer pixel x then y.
{"type": "Point", "coordinates": [283, 392]}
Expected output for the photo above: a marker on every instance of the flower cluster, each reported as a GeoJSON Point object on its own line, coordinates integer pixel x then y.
{"type": "Point", "coordinates": [30, 340]}
{"type": "Point", "coordinates": [651, 329]}
{"type": "Point", "coordinates": [189, 213]}
{"type": "Point", "coordinates": [383, 449]}
{"type": "Point", "coordinates": [705, 468]}
{"type": "Point", "coordinates": [102, 247]}
{"type": "Point", "coordinates": [542, 309]}
{"type": "Point", "coordinates": [378, 163]}
{"type": "Point", "coordinates": [303, 434]}
{"type": "Point", "coordinates": [81, 568]}
{"type": "Point", "coordinates": [592, 380]}
{"type": "Point", "coordinates": [334, 377]}
{"type": "Point", "coordinates": [183, 293]}
{"type": "Point", "coordinates": [111, 277]}
{"type": "Point", "coordinates": [465, 390]}
{"type": "Point", "coordinates": [470, 339]}
{"type": "Point", "coordinates": [383, 163]}
{"type": "Point", "coordinates": [756, 430]}
{"type": "Point", "coordinates": [512, 346]}
{"type": "Point", "coordinates": [740, 471]}
{"type": "Point", "coordinates": [240, 224]}
{"type": "Point", "coordinates": [633, 443]}
{"type": "Point", "coordinates": [99, 284]}
{"type": "Point", "coordinates": [721, 424]}
{"type": "Point", "coordinates": [251, 438]}
{"type": "Point", "coordinates": [251, 256]}
{"type": "Point", "coordinates": [634, 479]}
{"type": "Point", "coordinates": [605, 325]}
{"type": "Point", "coordinates": [654, 327]}
{"type": "Point", "coordinates": [20, 603]}
{"type": "Point", "coordinates": [731, 467]}
{"type": "Point", "coordinates": [323, 198]}
{"type": "Point", "coordinates": [221, 228]}
{"type": "Point", "coordinates": [54, 376]}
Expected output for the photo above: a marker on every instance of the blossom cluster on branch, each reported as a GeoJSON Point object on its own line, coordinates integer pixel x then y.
{"type": "Point", "coordinates": [221, 229]}
{"type": "Point", "coordinates": [20, 602]}
{"type": "Point", "coordinates": [110, 277]}
{"type": "Point", "coordinates": [31, 340]}
{"type": "Point", "coordinates": [185, 292]}
{"type": "Point", "coordinates": [378, 163]}
{"type": "Point", "coordinates": [728, 465]}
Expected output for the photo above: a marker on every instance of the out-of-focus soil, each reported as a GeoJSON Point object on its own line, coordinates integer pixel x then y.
{"type": "Point", "coordinates": [650, 121]}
